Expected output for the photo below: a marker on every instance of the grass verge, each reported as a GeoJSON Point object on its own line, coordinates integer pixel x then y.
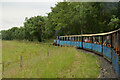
{"type": "Point", "coordinates": [42, 60]}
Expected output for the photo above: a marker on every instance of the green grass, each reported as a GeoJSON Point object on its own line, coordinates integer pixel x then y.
{"type": "Point", "coordinates": [62, 62]}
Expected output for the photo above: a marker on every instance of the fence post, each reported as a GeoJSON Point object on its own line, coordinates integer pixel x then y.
{"type": "Point", "coordinates": [3, 65]}
{"type": "Point", "coordinates": [31, 57]}
{"type": "Point", "coordinates": [47, 52]}
{"type": "Point", "coordinates": [21, 61]}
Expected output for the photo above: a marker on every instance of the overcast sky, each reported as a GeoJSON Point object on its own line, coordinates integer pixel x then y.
{"type": "Point", "coordinates": [13, 12]}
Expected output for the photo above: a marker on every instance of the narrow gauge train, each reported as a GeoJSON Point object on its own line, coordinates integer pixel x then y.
{"type": "Point", "coordinates": [104, 44]}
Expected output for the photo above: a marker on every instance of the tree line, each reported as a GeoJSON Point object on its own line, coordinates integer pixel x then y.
{"type": "Point", "coordinates": [68, 18]}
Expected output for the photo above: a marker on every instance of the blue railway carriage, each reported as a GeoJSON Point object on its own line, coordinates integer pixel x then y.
{"type": "Point", "coordinates": [105, 44]}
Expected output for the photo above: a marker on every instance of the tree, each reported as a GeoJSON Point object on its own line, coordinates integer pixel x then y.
{"type": "Point", "coordinates": [114, 22]}
{"type": "Point", "coordinates": [34, 28]}
{"type": "Point", "coordinates": [68, 18]}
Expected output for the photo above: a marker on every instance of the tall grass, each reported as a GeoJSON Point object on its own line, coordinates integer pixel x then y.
{"type": "Point", "coordinates": [61, 62]}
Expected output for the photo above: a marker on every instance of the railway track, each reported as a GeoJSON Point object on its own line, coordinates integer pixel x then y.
{"type": "Point", "coordinates": [106, 68]}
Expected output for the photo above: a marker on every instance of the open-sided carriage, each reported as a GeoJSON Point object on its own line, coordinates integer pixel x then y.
{"type": "Point", "coordinates": [105, 44]}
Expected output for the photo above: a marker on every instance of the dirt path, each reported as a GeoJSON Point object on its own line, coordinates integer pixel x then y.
{"type": "Point", "coordinates": [106, 69]}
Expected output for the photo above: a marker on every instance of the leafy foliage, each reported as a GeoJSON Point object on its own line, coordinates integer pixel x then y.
{"type": "Point", "coordinates": [34, 28]}
{"type": "Point", "coordinates": [114, 22]}
{"type": "Point", "coordinates": [68, 18]}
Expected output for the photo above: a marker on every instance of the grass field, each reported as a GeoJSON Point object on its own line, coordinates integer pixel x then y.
{"type": "Point", "coordinates": [62, 62]}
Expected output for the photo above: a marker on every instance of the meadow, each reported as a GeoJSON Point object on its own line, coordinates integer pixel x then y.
{"type": "Point", "coordinates": [43, 60]}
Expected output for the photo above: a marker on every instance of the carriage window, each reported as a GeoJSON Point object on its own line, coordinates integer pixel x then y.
{"type": "Point", "coordinates": [116, 41]}
{"type": "Point", "coordinates": [67, 38]}
{"type": "Point", "coordinates": [63, 38]}
{"type": "Point", "coordinates": [87, 39]}
{"type": "Point", "coordinates": [71, 39]}
{"type": "Point", "coordinates": [95, 40]}
{"type": "Point", "coordinates": [84, 39]}
{"type": "Point", "coordinates": [90, 39]}
{"type": "Point", "coordinates": [59, 38]}
{"type": "Point", "coordinates": [107, 41]}
{"type": "Point", "coordinates": [119, 41]}
{"type": "Point", "coordinates": [100, 40]}
{"type": "Point", "coordinates": [77, 38]}
{"type": "Point", "coordinates": [80, 38]}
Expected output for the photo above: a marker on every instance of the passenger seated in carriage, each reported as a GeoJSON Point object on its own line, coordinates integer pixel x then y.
{"type": "Point", "coordinates": [107, 42]}
{"type": "Point", "coordinates": [87, 40]}
{"type": "Point", "coordinates": [95, 42]}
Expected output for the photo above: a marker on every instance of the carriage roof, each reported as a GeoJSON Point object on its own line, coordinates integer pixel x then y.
{"type": "Point", "coordinates": [88, 35]}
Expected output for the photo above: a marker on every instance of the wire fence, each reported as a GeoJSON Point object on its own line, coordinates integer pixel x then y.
{"type": "Point", "coordinates": [20, 61]}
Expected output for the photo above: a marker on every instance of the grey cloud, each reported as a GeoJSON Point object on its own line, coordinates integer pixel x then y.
{"type": "Point", "coordinates": [14, 13]}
